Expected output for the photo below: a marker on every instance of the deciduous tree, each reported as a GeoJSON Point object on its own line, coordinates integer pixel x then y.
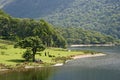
{"type": "Point", "coordinates": [34, 43]}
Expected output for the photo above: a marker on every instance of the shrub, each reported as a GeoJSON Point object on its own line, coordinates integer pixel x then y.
{"type": "Point", "coordinates": [27, 55]}
{"type": "Point", "coordinates": [56, 59]}
{"type": "Point", "coordinates": [51, 55]}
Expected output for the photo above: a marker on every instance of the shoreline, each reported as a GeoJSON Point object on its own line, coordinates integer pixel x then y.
{"type": "Point", "coordinates": [61, 64]}
{"type": "Point", "coordinates": [88, 55]}
{"type": "Point", "coordinates": [80, 57]}
{"type": "Point", "coordinates": [84, 45]}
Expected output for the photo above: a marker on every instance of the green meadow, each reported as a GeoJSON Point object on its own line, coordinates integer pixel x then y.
{"type": "Point", "coordinates": [12, 56]}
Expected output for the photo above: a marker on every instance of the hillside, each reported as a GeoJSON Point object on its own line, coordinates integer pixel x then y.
{"type": "Point", "coordinates": [34, 8]}
{"type": "Point", "coordinates": [4, 3]}
{"type": "Point", "coordinates": [81, 36]}
{"type": "Point", "coordinates": [16, 29]}
{"type": "Point", "coordinates": [98, 15]}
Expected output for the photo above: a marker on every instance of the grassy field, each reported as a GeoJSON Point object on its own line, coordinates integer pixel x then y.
{"type": "Point", "coordinates": [13, 56]}
{"type": "Point", "coordinates": [10, 55]}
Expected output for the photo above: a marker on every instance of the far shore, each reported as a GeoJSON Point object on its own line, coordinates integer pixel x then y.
{"type": "Point", "coordinates": [88, 55]}
{"type": "Point", "coordinates": [82, 45]}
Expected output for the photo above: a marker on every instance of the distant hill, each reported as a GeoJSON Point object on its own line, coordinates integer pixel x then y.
{"type": "Point", "coordinates": [4, 3]}
{"type": "Point", "coordinates": [34, 8]}
{"type": "Point", "coordinates": [98, 15]}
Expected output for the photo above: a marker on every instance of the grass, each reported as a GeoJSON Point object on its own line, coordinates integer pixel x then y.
{"type": "Point", "coordinates": [12, 56]}
{"type": "Point", "coordinates": [56, 52]}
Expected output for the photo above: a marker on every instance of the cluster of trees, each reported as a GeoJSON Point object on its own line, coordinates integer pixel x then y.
{"type": "Point", "coordinates": [98, 15]}
{"type": "Point", "coordinates": [80, 36]}
{"type": "Point", "coordinates": [17, 29]}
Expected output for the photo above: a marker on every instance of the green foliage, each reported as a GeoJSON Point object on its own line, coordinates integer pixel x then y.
{"type": "Point", "coordinates": [34, 43]}
{"type": "Point", "coordinates": [27, 55]}
{"type": "Point", "coordinates": [17, 29]}
{"type": "Point", "coordinates": [98, 15]}
{"type": "Point", "coordinates": [6, 42]}
{"type": "Point", "coordinates": [80, 36]}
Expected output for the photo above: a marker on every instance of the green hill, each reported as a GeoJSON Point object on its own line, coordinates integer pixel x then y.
{"type": "Point", "coordinates": [34, 8]}
{"type": "Point", "coordinates": [4, 3]}
{"type": "Point", "coordinates": [98, 15]}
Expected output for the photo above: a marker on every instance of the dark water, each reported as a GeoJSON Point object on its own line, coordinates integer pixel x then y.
{"type": "Point", "coordinates": [97, 68]}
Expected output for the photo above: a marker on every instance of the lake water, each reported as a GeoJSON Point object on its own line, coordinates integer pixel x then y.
{"type": "Point", "coordinates": [95, 68]}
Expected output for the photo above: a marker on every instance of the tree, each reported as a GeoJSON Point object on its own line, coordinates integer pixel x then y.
{"type": "Point", "coordinates": [34, 43]}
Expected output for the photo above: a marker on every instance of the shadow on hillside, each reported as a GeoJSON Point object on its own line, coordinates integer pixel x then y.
{"type": "Point", "coordinates": [16, 60]}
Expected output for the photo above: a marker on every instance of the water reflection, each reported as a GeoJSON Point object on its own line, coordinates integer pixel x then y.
{"type": "Point", "coordinates": [31, 74]}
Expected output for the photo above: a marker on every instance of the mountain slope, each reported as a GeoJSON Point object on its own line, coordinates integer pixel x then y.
{"type": "Point", "coordinates": [34, 8]}
{"type": "Point", "coordinates": [99, 15]}
{"type": "Point", "coordinates": [5, 2]}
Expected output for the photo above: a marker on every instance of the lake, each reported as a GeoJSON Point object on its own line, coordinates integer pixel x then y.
{"type": "Point", "coordinates": [95, 68]}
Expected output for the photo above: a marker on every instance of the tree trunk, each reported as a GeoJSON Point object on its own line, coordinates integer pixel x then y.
{"type": "Point", "coordinates": [34, 52]}
{"type": "Point", "coordinates": [33, 57]}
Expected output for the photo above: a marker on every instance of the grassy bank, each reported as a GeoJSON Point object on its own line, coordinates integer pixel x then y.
{"type": "Point", "coordinates": [11, 56]}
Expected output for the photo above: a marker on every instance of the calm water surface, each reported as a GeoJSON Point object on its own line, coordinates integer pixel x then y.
{"type": "Point", "coordinates": [97, 68]}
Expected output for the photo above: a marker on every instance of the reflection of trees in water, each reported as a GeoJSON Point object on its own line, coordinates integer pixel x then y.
{"type": "Point", "coordinates": [41, 74]}
{"type": "Point", "coordinates": [33, 74]}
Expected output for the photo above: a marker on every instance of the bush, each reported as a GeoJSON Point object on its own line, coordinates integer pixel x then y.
{"type": "Point", "coordinates": [27, 55]}
{"type": "Point", "coordinates": [63, 59]}
{"type": "Point", "coordinates": [51, 55]}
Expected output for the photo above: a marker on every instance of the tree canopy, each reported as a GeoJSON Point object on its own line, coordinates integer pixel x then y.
{"type": "Point", "coordinates": [80, 36]}
{"type": "Point", "coordinates": [33, 43]}
{"type": "Point", "coordinates": [17, 29]}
